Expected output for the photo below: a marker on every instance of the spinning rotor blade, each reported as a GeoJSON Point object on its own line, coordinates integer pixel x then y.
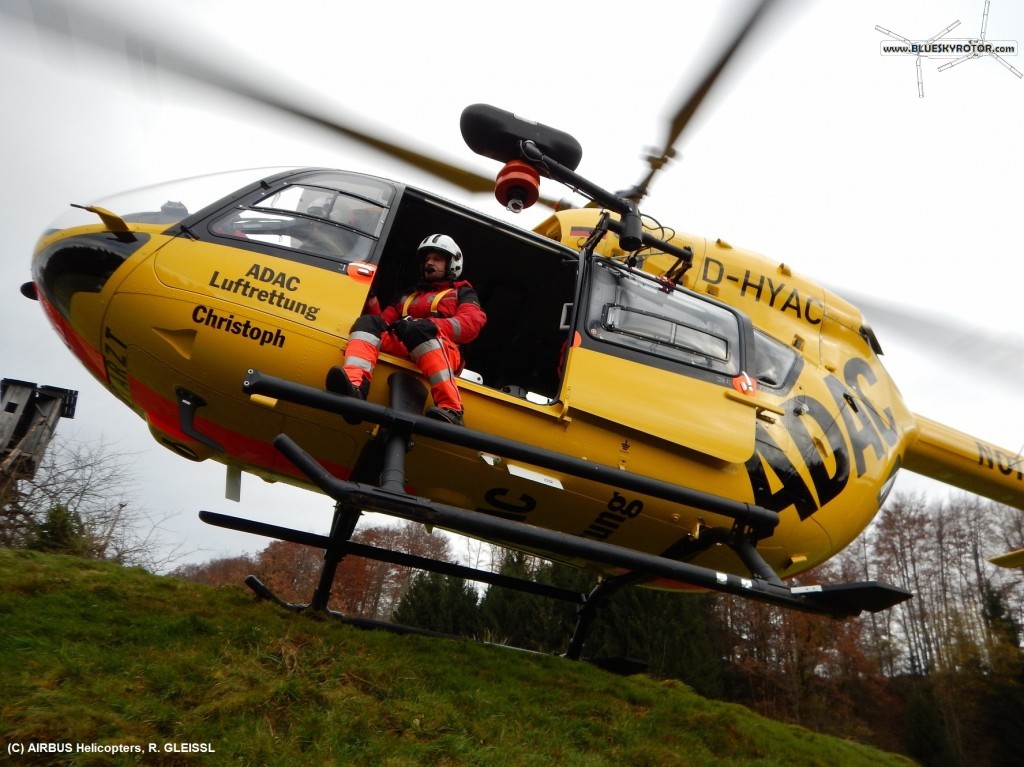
{"type": "Point", "coordinates": [995, 353]}
{"type": "Point", "coordinates": [688, 108]}
{"type": "Point", "coordinates": [181, 54]}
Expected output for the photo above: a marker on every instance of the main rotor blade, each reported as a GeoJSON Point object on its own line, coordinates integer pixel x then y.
{"type": "Point", "coordinates": [689, 106]}
{"type": "Point", "coordinates": [102, 30]}
{"type": "Point", "coordinates": [999, 354]}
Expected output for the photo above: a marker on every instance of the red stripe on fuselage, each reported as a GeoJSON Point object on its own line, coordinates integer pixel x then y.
{"type": "Point", "coordinates": [162, 413]}
{"type": "Point", "coordinates": [90, 357]}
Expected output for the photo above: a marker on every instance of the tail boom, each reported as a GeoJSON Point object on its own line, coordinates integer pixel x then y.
{"type": "Point", "coordinates": [957, 459]}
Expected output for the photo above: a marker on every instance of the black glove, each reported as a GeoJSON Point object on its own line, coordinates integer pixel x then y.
{"type": "Point", "coordinates": [412, 332]}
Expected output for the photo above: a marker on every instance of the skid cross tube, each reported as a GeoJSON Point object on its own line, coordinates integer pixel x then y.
{"type": "Point", "coordinates": [595, 600]}
{"type": "Point", "coordinates": [757, 518]}
{"type": "Point", "coordinates": [342, 526]}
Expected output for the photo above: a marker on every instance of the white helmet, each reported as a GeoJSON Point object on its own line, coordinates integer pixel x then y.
{"type": "Point", "coordinates": [444, 244]}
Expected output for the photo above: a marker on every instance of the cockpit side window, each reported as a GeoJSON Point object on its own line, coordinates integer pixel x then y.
{"type": "Point", "coordinates": [314, 219]}
{"type": "Point", "coordinates": [774, 361]}
{"type": "Point", "coordinates": [634, 311]}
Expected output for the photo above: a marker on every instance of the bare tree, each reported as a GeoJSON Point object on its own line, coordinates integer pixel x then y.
{"type": "Point", "coordinates": [88, 491]}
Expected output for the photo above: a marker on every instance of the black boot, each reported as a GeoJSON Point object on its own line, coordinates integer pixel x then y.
{"type": "Point", "coordinates": [445, 414]}
{"type": "Point", "coordinates": [338, 383]}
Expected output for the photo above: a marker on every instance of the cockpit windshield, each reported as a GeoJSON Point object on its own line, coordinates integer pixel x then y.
{"type": "Point", "coordinates": [168, 202]}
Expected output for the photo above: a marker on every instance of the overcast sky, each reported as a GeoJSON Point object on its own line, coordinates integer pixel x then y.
{"type": "Point", "coordinates": [817, 152]}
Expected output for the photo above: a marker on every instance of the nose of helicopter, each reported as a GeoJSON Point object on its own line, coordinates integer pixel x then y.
{"type": "Point", "coordinates": [69, 277]}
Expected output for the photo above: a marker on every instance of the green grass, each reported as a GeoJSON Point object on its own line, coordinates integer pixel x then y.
{"type": "Point", "coordinates": [93, 653]}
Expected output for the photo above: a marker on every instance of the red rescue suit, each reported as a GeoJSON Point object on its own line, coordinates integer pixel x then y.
{"type": "Point", "coordinates": [426, 325]}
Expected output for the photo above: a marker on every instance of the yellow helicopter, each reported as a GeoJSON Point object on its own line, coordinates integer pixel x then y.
{"type": "Point", "coordinates": [656, 407]}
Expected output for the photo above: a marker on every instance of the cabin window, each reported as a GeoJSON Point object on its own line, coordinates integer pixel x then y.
{"type": "Point", "coordinates": [632, 310]}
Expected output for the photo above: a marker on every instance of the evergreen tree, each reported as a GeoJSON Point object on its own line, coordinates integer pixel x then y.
{"type": "Point", "coordinates": [926, 734]}
{"type": "Point", "coordinates": [1004, 631]}
{"type": "Point", "coordinates": [436, 602]}
{"type": "Point", "coordinates": [1003, 706]}
{"type": "Point", "coordinates": [514, 617]}
{"type": "Point", "coordinates": [557, 619]}
{"type": "Point", "coordinates": [62, 531]}
{"type": "Point", "coordinates": [673, 633]}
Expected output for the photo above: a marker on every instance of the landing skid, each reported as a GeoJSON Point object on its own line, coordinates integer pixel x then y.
{"type": "Point", "coordinates": [402, 419]}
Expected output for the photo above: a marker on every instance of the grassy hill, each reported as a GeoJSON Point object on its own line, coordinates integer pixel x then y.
{"type": "Point", "coordinates": [103, 656]}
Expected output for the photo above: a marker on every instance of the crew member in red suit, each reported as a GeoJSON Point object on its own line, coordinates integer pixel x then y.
{"type": "Point", "coordinates": [427, 325]}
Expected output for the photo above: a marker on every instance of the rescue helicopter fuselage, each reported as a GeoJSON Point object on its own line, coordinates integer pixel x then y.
{"type": "Point", "coordinates": [737, 379]}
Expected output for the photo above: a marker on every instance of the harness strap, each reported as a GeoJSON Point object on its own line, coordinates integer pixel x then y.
{"type": "Point", "coordinates": [433, 303]}
{"type": "Point", "coordinates": [437, 300]}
